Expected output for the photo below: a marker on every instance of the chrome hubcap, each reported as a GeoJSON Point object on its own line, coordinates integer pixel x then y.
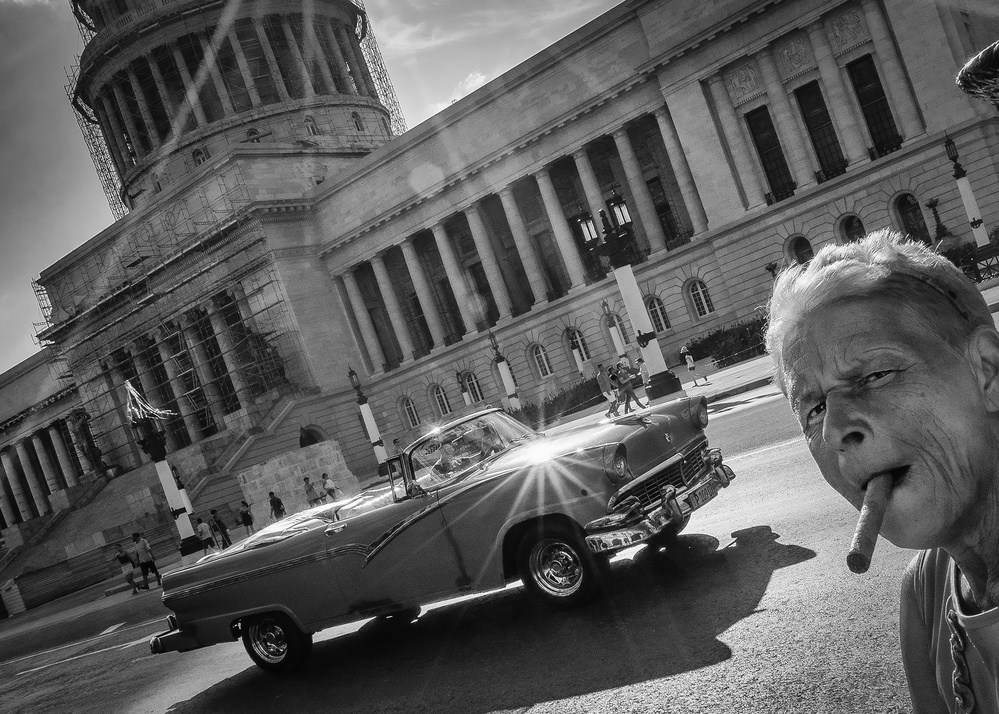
{"type": "Point", "coordinates": [268, 640]}
{"type": "Point", "coordinates": [556, 568]}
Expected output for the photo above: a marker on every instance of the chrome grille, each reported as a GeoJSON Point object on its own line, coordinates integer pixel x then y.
{"type": "Point", "coordinates": [649, 492]}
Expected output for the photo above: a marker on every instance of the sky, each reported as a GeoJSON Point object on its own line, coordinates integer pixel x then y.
{"type": "Point", "coordinates": [51, 200]}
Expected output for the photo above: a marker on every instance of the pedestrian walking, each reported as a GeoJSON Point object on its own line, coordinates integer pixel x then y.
{"type": "Point", "coordinates": [624, 377]}
{"type": "Point", "coordinates": [146, 561]}
{"type": "Point", "coordinates": [205, 535]}
{"type": "Point", "coordinates": [221, 529]}
{"type": "Point", "coordinates": [643, 372]}
{"type": "Point", "coordinates": [127, 567]}
{"type": "Point", "coordinates": [604, 385]}
{"type": "Point", "coordinates": [277, 506]}
{"type": "Point", "coordinates": [310, 493]}
{"type": "Point", "coordinates": [329, 488]}
{"type": "Point", "coordinates": [246, 517]}
{"type": "Point", "coordinates": [691, 367]}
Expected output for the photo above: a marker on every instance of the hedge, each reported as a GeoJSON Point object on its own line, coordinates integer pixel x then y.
{"type": "Point", "coordinates": [732, 343]}
{"type": "Point", "coordinates": [581, 395]}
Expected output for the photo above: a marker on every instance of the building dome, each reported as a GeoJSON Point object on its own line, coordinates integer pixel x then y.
{"type": "Point", "coordinates": [173, 83]}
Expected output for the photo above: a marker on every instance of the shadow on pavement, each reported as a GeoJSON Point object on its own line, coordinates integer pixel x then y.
{"type": "Point", "coordinates": [661, 615]}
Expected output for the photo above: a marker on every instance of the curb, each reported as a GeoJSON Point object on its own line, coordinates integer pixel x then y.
{"type": "Point", "coordinates": [747, 387]}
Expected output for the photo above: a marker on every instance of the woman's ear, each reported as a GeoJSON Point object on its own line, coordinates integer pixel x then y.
{"type": "Point", "coordinates": [985, 355]}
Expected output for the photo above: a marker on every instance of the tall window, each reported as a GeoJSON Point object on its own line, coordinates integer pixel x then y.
{"type": "Point", "coordinates": [700, 298]}
{"type": "Point", "coordinates": [310, 126]}
{"type": "Point", "coordinates": [852, 229]}
{"type": "Point", "coordinates": [874, 106]}
{"type": "Point", "coordinates": [253, 136]}
{"type": "Point", "coordinates": [911, 218]}
{"type": "Point", "coordinates": [578, 343]}
{"type": "Point", "coordinates": [657, 313]}
{"type": "Point", "coordinates": [358, 122]}
{"type": "Point", "coordinates": [619, 324]}
{"type": "Point", "coordinates": [412, 416]}
{"type": "Point", "coordinates": [761, 128]}
{"type": "Point", "coordinates": [540, 356]}
{"type": "Point", "coordinates": [440, 398]}
{"type": "Point", "coordinates": [472, 386]}
{"type": "Point", "coordinates": [820, 131]}
{"type": "Point", "coordinates": [200, 156]}
{"type": "Point", "coordinates": [801, 250]}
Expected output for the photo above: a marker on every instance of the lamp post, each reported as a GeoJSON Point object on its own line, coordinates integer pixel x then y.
{"type": "Point", "coordinates": [662, 381]}
{"type": "Point", "coordinates": [465, 396]}
{"type": "Point", "coordinates": [506, 376]}
{"type": "Point", "coordinates": [367, 417]}
{"type": "Point", "coordinates": [967, 195]}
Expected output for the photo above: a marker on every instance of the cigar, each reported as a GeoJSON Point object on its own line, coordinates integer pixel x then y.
{"type": "Point", "coordinates": [872, 513]}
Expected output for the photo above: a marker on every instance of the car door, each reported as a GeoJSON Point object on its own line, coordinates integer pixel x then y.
{"type": "Point", "coordinates": [399, 553]}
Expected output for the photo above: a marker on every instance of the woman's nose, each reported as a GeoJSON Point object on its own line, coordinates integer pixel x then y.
{"type": "Point", "coordinates": [844, 426]}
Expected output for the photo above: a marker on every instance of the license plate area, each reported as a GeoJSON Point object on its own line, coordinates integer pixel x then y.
{"type": "Point", "coordinates": [696, 499]}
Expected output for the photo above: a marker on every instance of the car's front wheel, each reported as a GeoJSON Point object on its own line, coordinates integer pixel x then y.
{"type": "Point", "coordinates": [556, 566]}
{"type": "Point", "coordinates": [274, 642]}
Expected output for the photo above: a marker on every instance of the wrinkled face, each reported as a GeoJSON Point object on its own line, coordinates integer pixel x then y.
{"type": "Point", "coordinates": [877, 391]}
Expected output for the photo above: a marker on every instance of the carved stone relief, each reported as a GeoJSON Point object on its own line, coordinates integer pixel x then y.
{"type": "Point", "coordinates": [846, 30]}
{"type": "Point", "coordinates": [793, 56]}
{"type": "Point", "coordinates": [743, 82]}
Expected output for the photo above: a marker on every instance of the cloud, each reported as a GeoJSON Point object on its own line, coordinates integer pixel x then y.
{"type": "Point", "coordinates": [50, 3]}
{"type": "Point", "coordinates": [466, 86]}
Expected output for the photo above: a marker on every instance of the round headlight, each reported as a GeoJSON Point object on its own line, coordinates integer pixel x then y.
{"type": "Point", "coordinates": [616, 464]}
{"type": "Point", "coordinates": [620, 465]}
{"type": "Point", "coordinates": [700, 414]}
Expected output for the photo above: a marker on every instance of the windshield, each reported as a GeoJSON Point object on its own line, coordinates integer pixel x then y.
{"type": "Point", "coordinates": [449, 454]}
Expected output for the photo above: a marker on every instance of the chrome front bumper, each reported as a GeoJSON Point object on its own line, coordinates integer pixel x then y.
{"type": "Point", "coordinates": [628, 525]}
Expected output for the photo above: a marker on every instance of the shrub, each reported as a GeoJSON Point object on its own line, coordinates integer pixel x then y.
{"type": "Point", "coordinates": [732, 343]}
{"type": "Point", "coordinates": [582, 394]}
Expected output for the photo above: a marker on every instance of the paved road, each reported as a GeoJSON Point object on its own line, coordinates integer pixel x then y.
{"type": "Point", "coordinates": [757, 612]}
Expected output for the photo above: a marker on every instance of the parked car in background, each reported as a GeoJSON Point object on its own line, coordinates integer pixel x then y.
{"type": "Point", "coordinates": [471, 506]}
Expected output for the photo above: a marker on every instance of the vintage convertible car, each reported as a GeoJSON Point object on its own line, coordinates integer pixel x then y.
{"type": "Point", "coordinates": [474, 504]}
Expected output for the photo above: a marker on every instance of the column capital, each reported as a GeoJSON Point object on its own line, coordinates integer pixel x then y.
{"type": "Point", "coordinates": [763, 53]}
{"type": "Point", "coordinates": [717, 78]}
{"type": "Point", "coordinates": [814, 26]}
{"type": "Point", "coordinates": [506, 190]}
{"type": "Point", "coordinates": [621, 132]}
{"type": "Point", "coordinates": [579, 152]}
{"type": "Point", "coordinates": [541, 171]}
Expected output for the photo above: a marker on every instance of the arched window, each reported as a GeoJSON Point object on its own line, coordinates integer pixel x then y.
{"type": "Point", "coordinates": [911, 218]}
{"type": "Point", "coordinates": [657, 313]}
{"type": "Point", "coordinates": [310, 126]}
{"type": "Point", "coordinates": [409, 409]}
{"type": "Point", "coordinates": [307, 436]}
{"type": "Point", "coordinates": [801, 250]}
{"type": "Point", "coordinates": [157, 186]}
{"type": "Point", "coordinates": [619, 324]}
{"type": "Point", "coordinates": [700, 298]}
{"type": "Point", "coordinates": [358, 122]}
{"type": "Point", "coordinates": [253, 136]}
{"type": "Point", "coordinates": [852, 229]}
{"type": "Point", "coordinates": [472, 385]}
{"type": "Point", "coordinates": [440, 398]}
{"type": "Point", "coordinates": [577, 343]}
{"type": "Point", "coordinates": [200, 156]}
{"type": "Point", "coordinates": [540, 357]}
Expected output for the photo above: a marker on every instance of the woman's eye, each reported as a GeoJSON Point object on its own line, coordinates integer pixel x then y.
{"type": "Point", "coordinates": [815, 413]}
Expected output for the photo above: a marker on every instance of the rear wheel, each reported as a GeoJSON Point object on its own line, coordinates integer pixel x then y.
{"type": "Point", "coordinates": [274, 642]}
{"type": "Point", "coordinates": [556, 566]}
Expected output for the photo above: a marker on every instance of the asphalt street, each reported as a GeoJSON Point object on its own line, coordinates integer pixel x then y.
{"type": "Point", "coordinates": [754, 612]}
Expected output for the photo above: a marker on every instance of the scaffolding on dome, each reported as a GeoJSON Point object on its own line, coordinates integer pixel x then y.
{"type": "Point", "coordinates": [379, 73]}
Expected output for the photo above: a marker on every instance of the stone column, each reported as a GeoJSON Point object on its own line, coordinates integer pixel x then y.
{"type": "Point", "coordinates": [191, 92]}
{"type": "Point", "coordinates": [80, 447]}
{"type": "Point", "coordinates": [560, 227]}
{"type": "Point", "coordinates": [272, 64]}
{"type": "Point", "coordinates": [839, 103]}
{"type": "Point", "coordinates": [62, 455]}
{"type": "Point", "coordinates": [23, 507]}
{"type": "Point", "coordinates": [149, 391]}
{"type": "Point", "coordinates": [338, 58]}
{"type": "Point", "coordinates": [8, 508]}
{"type": "Point", "coordinates": [681, 169]}
{"type": "Point", "coordinates": [787, 127]}
{"type": "Point", "coordinates": [456, 275]}
{"type": "Point", "coordinates": [228, 349]}
{"type": "Point", "coordinates": [646, 208]}
{"type": "Point", "coordinates": [48, 469]}
{"type": "Point", "coordinates": [184, 405]}
{"type": "Point", "coordinates": [113, 139]}
{"type": "Point", "coordinates": [315, 52]}
{"type": "Point", "coordinates": [484, 247]}
{"type": "Point", "coordinates": [202, 367]}
{"type": "Point", "coordinates": [38, 494]}
{"type": "Point", "coordinates": [591, 187]}
{"type": "Point", "coordinates": [364, 323]}
{"type": "Point", "coordinates": [744, 167]}
{"type": "Point", "coordinates": [423, 292]}
{"type": "Point", "coordinates": [396, 317]}
{"type": "Point", "coordinates": [296, 55]}
{"type": "Point", "coordinates": [130, 125]}
{"type": "Point", "coordinates": [347, 48]}
{"type": "Point", "coordinates": [161, 87]}
{"type": "Point", "coordinates": [118, 133]}
{"type": "Point", "coordinates": [896, 84]}
{"type": "Point", "coordinates": [140, 99]}
{"type": "Point", "coordinates": [211, 58]}
{"type": "Point", "coordinates": [525, 246]}
{"type": "Point", "coordinates": [362, 64]}
{"type": "Point", "coordinates": [244, 68]}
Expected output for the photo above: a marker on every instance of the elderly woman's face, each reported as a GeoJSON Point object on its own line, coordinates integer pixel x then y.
{"type": "Point", "coordinates": [876, 390]}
